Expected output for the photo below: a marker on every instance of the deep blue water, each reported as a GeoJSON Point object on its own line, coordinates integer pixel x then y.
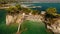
{"type": "Point", "coordinates": [46, 5]}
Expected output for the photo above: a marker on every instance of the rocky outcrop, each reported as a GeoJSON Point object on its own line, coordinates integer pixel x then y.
{"type": "Point", "coordinates": [19, 17]}
{"type": "Point", "coordinates": [53, 24]}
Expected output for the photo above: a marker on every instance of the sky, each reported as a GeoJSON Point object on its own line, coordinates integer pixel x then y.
{"type": "Point", "coordinates": [45, 1]}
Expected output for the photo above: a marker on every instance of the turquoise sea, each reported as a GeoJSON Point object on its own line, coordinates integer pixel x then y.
{"type": "Point", "coordinates": [45, 6]}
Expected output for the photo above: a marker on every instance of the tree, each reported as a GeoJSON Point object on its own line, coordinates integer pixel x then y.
{"type": "Point", "coordinates": [18, 6]}
{"type": "Point", "coordinates": [35, 12]}
{"type": "Point", "coordinates": [51, 12]}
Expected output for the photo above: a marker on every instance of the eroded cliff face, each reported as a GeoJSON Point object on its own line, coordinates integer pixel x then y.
{"type": "Point", "coordinates": [9, 19]}
{"type": "Point", "coordinates": [53, 24]}
{"type": "Point", "coordinates": [17, 18]}
{"type": "Point", "coordinates": [56, 26]}
{"type": "Point", "coordinates": [13, 18]}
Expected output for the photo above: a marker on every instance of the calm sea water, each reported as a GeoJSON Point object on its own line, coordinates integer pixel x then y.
{"type": "Point", "coordinates": [46, 5]}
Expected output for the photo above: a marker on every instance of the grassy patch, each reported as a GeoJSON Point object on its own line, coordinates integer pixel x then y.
{"type": "Point", "coordinates": [8, 29]}
{"type": "Point", "coordinates": [27, 27]}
